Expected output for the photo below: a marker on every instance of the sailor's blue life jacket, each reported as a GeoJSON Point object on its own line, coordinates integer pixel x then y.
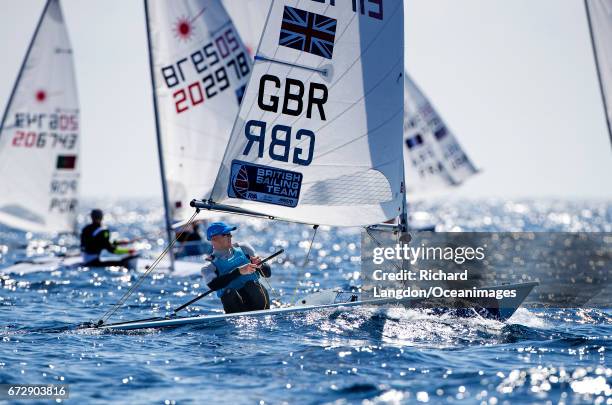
{"type": "Point", "coordinates": [225, 266]}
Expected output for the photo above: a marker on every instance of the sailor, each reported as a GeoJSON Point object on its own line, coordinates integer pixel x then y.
{"type": "Point", "coordinates": [95, 238]}
{"type": "Point", "coordinates": [190, 243]}
{"type": "Point", "coordinates": [233, 271]}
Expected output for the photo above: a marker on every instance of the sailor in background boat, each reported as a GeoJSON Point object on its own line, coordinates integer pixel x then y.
{"type": "Point", "coordinates": [233, 272]}
{"type": "Point", "coordinates": [95, 238]}
{"type": "Point", "coordinates": [190, 243]}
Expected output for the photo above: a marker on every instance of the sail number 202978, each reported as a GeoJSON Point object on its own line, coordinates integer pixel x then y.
{"type": "Point", "coordinates": [206, 71]}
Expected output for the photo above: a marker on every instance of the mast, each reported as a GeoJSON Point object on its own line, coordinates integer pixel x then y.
{"type": "Point", "coordinates": [23, 63]}
{"type": "Point", "coordinates": [599, 78]}
{"type": "Point", "coordinates": [403, 217]}
{"type": "Point", "coordinates": [159, 141]}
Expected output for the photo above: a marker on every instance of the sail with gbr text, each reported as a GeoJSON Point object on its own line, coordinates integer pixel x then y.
{"type": "Point", "coordinates": [201, 70]}
{"type": "Point", "coordinates": [318, 138]}
{"type": "Point", "coordinates": [432, 161]}
{"type": "Point", "coordinates": [39, 134]}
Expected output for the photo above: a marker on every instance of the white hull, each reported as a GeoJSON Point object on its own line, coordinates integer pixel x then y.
{"type": "Point", "coordinates": [52, 263]}
{"type": "Point", "coordinates": [505, 309]}
{"type": "Point", "coordinates": [41, 264]}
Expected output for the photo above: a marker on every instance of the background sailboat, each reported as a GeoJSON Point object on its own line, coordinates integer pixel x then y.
{"type": "Point", "coordinates": [200, 69]}
{"type": "Point", "coordinates": [434, 159]}
{"type": "Point", "coordinates": [599, 15]}
{"type": "Point", "coordinates": [40, 134]}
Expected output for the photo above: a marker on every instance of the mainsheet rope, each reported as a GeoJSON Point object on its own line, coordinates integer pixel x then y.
{"type": "Point", "coordinates": [142, 278]}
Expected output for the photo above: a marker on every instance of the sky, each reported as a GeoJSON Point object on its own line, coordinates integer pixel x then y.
{"type": "Point", "coordinates": [514, 80]}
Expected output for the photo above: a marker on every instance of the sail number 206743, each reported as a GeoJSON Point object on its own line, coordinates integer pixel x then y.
{"type": "Point", "coordinates": [37, 130]}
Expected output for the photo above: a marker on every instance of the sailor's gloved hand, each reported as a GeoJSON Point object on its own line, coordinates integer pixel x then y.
{"type": "Point", "coordinates": [255, 260]}
{"type": "Point", "coordinates": [132, 251]}
{"type": "Point", "coordinates": [248, 269]}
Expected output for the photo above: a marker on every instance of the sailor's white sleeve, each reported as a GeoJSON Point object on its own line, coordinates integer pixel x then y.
{"type": "Point", "coordinates": [209, 272]}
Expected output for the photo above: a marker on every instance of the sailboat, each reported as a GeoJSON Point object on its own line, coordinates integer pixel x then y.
{"type": "Point", "coordinates": [433, 157]}
{"type": "Point", "coordinates": [599, 17]}
{"type": "Point", "coordinates": [319, 134]}
{"type": "Point", "coordinates": [434, 160]}
{"type": "Point", "coordinates": [199, 69]}
{"type": "Point", "coordinates": [40, 131]}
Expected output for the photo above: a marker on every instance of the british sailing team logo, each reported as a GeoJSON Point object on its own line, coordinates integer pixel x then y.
{"type": "Point", "coordinates": [240, 181]}
{"type": "Point", "coordinates": [266, 184]}
{"type": "Point", "coordinates": [308, 32]}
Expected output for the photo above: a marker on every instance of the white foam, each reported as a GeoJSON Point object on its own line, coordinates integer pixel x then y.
{"type": "Point", "coordinates": [523, 316]}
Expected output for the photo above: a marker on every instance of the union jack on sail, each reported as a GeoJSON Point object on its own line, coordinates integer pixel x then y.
{"type": "Point", "coordinates": [308, 32]}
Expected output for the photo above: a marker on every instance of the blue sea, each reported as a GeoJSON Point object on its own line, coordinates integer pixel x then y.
{"type": "Point", "coordinates": [368, 355]}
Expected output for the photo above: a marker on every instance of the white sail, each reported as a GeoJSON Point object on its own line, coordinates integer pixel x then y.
{"type": "Point", "coordinates": [249, 17]}
{"type": "Point", "coordinates": [433, 157]}
{"type": "Point", "coordinates": [201, 69]}
{"type": "Point", "coordinates": [318, 138]}
{"type": "Point", "coordinates": [39, 135]}
{"type": "Point", "coordinates": [599, 13]}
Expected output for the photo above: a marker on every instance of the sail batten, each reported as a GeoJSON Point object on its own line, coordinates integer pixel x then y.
{"type": "Point", "coordinates": [40, 134]}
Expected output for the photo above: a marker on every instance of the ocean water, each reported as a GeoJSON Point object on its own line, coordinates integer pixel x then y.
{"type": "Point", "coordinates": [368, 355]}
